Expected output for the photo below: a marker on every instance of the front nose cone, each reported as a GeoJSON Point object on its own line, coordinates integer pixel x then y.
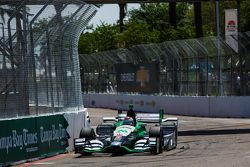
{"type": "Point", "coordinates": [116, 144]}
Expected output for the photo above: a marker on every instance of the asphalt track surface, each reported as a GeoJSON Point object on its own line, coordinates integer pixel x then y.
{"type": "Point", "coordinates": [202, 142]}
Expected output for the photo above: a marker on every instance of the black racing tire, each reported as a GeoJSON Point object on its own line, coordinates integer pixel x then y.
{"type": "Point", "coordinates": [87, 133]}
{"type": "Point", "coordinates": [176, 136]}
{"type": "Point", "coordinates": [156, 132]}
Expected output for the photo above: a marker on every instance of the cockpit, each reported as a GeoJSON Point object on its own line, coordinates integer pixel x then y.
{"type": "Point", "coordinates": [128, 121]}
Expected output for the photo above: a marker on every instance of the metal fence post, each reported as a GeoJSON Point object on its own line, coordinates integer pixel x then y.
{"type": "Point", "coordinates": [217, 10]}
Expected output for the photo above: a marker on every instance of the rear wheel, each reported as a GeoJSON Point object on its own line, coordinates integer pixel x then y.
{"type": "Point", "coordinates": [156, 132]}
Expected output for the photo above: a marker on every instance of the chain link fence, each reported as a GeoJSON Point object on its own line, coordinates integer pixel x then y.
{"type": "Point", "coordinates": [39, 65]}
{"type": "Point", "coordinates": [193, 67]}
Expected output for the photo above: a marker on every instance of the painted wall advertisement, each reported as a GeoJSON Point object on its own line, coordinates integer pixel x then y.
{"type": "Point", "coordinates": [231, 28]}
{"type": "Point", "coordinates": [28, 138]}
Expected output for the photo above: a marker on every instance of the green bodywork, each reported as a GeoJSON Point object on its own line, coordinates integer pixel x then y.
{"type": "Point", "coordinates": [139, 128]}
{"type": "Point", "coordinates": [128, 147]}
{"type": "Point", "coordinates": [126, 143]}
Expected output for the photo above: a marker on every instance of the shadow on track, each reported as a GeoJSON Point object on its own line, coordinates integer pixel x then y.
{"type": "Point", "coordinates": [213, 132]}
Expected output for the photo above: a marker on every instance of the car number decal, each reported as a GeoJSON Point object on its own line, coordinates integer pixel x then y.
{"type": "Point", "coordinates": [124, 130]}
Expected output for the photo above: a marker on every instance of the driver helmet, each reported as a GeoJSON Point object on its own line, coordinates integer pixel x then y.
{"type": "Point", "coordinates": [131, 106]}
{"type": "Point", "coordinates": [128, 121]}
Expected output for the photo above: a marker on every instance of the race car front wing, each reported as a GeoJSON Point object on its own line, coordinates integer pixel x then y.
{"type": "Point", "coordinates": [96, 146]}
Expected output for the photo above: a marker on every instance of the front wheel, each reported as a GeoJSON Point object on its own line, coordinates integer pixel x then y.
{"type": "Point", "coordinates": [156, 132]}
{"type": "Point", "coordinates": [87, 133]}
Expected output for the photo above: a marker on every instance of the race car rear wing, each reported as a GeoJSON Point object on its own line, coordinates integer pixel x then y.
{"type": "Point", "coordinates": [109, 119]}
{"type": "Point", "coordinates": [157, 118]}
{"type": "Point", "coordinates": [170, 121]}
{"type": "Point", "coordinates": [146, 118]}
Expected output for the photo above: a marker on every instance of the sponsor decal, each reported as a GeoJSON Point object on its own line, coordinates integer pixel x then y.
{"type": "Point", "coordinates": [151, 103]}
{"type": "Point", "coordinates": [231, 22]}
{"type": "Point", "coordinates": [142, 76]}
{"type": "Point", "coordinates": [140, 103]}
{"type": "Point", "coordinates": [53, 134]}
{"type": "Point", "coordinates": [231, 26]}
{"type": "Point", "coordinates": [127, 77]}
{"type": "Point", "coordinates": [123, 130]}
{"type": "Point", "coordinates": [28, 138]}
{"type": "Point", "coordinates": [24, 138]}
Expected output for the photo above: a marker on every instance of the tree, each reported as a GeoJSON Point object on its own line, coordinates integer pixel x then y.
{"type": "Point", "coordinates": [208, 14]}
{"type": "Point", "coordinates": [105, 37]}
{"type": "Point", "coordinates": [137, 32]}
{"type": "Point", "coordinates": [245, 13]}
{"type": "Point", "coordinates": [154, 15]}
{"type": "Point", "coordinates": [150, 24]}
{"type": "Point", "coordinates": [100, 39]}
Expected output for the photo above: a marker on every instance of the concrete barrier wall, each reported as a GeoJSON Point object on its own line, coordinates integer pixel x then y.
{"type": "Point", "coordinates": [76, 121]}
{"type": "Point", "coordinates": [35, 137]}
{"type": "Point", "coordinates": [183, 105]}
{"type": "Point", "coordinates": [229, 106]}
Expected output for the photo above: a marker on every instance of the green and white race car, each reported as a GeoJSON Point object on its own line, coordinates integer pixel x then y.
{"type": "Point", "coordinates": [129, 135]}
